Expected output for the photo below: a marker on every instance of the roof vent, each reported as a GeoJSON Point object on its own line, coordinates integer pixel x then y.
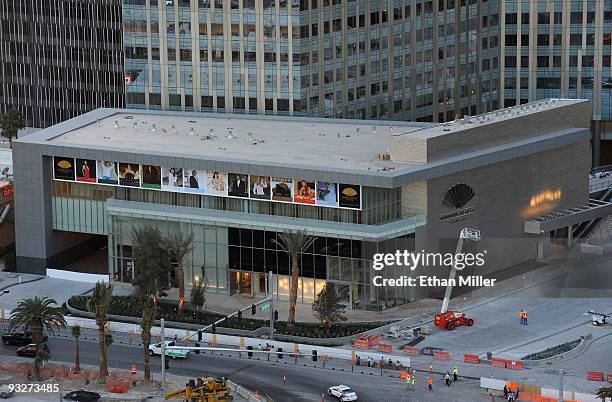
{"type": "Point", "coordinates": [191, 131]}
{"type": "Point", "coordinates": [116, 124]}
{"type": "Point", "coordinates": [135, 126]}
{"type": "Point", "coordinates": [153, 127]}
{"type": "Point", "coordinates": [128, 117]}
{"type": "Point", "coordinates": [174, 130]}
{"type": "Point", "coordinates": [374, 130]}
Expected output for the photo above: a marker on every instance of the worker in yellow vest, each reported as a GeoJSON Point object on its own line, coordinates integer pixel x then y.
{"type": "Point", "coordinates": [413, 383]}
{"type": "Point", "coordinates": [455, 373]}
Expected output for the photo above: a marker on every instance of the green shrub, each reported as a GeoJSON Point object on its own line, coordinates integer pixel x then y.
{"type": "Point", "coordinates": [131, 306]}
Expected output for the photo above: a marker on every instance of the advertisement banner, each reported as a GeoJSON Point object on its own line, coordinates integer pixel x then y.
{"type": "Point", "coordinates": [327, 194]}
{"type": "Point", "coordinates": [151, 176]}
{"type": "Point", "coordinates": [195, 181]}
{"type": "Point", "coordinates": [86, 170]}
{"type": "Point", "coordinates": [129, 174]}
{"type": "Point", "coordinates": [304, 191]}
{"type": "Point", "coordinates": [282, 189]}
{"type": "Point", "coordinates": [216, 183]}
{"type": "Point", "coordinates": [260, 187]}
{"type": "Point", "coordinates": [63, 168]}
{"type": "Point", "coordinates": [349, 196]}
{"type": "Point", "coordinates": [237, 185]}
{"type": "Point", "coordinates": [107, 172]}
{"type": "Point", "coordinates": [172, 179]}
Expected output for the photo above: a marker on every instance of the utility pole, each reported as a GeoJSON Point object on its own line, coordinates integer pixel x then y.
{"type": "Point", "coordinates": [561, 374]}
{"type": "Point", "coordinates": [163, 355]}
{"type": "Point", "coordinates": [271, 296]}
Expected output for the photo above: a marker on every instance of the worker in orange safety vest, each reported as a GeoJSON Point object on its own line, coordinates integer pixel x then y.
{"type": "Point", "coordinates": [525, 316]}
{"type": "Point", "coordinates": [429, 383]}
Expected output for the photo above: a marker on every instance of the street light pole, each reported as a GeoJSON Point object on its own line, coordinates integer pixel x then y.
{"type": "Point", "coordinates": [163, 355]}
{"type": "Point", "coordinates": [561, 373]}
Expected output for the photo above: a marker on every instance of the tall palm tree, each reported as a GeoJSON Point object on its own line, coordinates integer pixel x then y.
{"type": "Point", "coordinates": [38, 315]}
{"type": "Point", "coordinates": [179, 247]}
{"type": "Point", "coordinates": [294, 243]}
{"type": "Point", "coordinates": [99, 304]}
{"type": "Point", "coordinates": [149, 311]}
{"type": "Point", "coordinates": [76, 334]}
{"type": "Point", "coordinates": [604, 392]}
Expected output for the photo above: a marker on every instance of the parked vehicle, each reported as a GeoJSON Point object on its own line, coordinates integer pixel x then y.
{"type": "Point", "coordinates": [6, 392]}
{"type": "Point", "coordinates": [18, 338]}
{"type": "Point", "coordinates": [82, 396]}
{"type": "Point", "coordinates": [30, 350]}
{"type": "Point", "coordinates": [451, 320]}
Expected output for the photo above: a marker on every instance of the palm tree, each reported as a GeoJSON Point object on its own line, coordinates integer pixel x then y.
{"type": "Point", "coordinates": [76, 334]}
{"type": "Point", "coordinates": [149, 311]}
{"type": "Point", "coordinates": [178, 248]}
{"type": "Point", "coordinates": [604, 392]}
{"type": "Point", "coordinates": [38, 315]}
{"type": "Point", "coordinates": [10, 124]}
{"type": "Point", "coordinates": [294, 242]}
{"type": "Point", "coordinates": [99, 304]}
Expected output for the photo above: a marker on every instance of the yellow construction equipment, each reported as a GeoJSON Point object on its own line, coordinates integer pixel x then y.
{"type": "Point", "coordinates": [203, 390]}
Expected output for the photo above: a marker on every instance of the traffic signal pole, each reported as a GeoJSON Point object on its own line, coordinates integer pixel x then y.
{"type": "Point", "coordinates": [271, 296]}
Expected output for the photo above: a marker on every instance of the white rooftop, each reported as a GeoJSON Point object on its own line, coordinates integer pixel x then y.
{"type": "Point", "coordinates": [323, 143]}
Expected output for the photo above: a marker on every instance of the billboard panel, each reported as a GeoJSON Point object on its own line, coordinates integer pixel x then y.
{"type": "Point", "coordinates": [282, 189]}
{"type": "Point", "coordinates": [304, 191]}
{"type": "Point", "coordinates": [237, 185]}
{"type": "Point", "coordinates": [86, 170]}
{"type": "Point", "coordinates": [259, 187]}
{"type": "Point", "coordinates": [63, 168]}
{"type": "Point", "coordinates": [194, 181]}
{"type": "Point", "coordinates": [327, 194]}
{"type": "Point", "coordinates": [106, 172]}
{"type": "Point", "coordinates": [151, 176]}
{"type": "Point", "coordinates": [216, 183]}
{"type": "Point", "coordinates": [129, 174]}
{"type": "Point", "coordinates": [349, 196]}
{"type": "Point", "coordinates": [172, 179]}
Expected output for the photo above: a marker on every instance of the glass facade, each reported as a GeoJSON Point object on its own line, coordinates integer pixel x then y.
{"type": "Point", "coordinates": [234, 261]}
{"type": "Point", "coordinates": [354, 59]}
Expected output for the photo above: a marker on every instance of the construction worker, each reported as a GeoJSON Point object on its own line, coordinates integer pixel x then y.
{"type": "Point", "coordinates": [413, 383]}
{"type": "Point", "coordinates": [455, 373]}
{"type": "Point", "coordinates": [447, 379]}
{"type": "Point", "coordinates": [522, 315]}
{"type": "Point", "coordinates": [408, 381]}
{"type": "Point", "coordinates": [429, 383]}
{"type": "Point", "coordinates": [525, 315]}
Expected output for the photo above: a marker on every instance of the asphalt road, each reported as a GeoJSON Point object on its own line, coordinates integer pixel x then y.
{"type": "Point", "coordinates": [303, 383]}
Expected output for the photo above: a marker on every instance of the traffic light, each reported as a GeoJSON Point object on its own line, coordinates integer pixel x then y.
{"type": "Point", "coordinates": [214, 329]}
{"type": "Point", "coordinates": [275, 315]}
{"type": "Point", "coordinates": [253, 309]}
{"type": "Point", "coordinates": [250, 353]}
{"type": "Point", "coordinates": [199, 336]}
{"type": "Point", "coordinates": [314, 355]}
{"type": "Point", "coordinates": [240, 314]}
{"type": "Point", "coordinates": [197, 351]}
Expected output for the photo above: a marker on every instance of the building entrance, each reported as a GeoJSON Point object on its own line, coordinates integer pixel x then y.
{"type": "Point", "coordinates": [240, 283]}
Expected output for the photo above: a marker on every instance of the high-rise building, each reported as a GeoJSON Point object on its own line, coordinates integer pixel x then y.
{"type": "Point", "coordinates": [60, 58]}
{"type": "Point", "coordinates": [395, 59]}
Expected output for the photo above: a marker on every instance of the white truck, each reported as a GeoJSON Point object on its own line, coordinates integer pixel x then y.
{"type": "Point", "coordinates": [155, 350]}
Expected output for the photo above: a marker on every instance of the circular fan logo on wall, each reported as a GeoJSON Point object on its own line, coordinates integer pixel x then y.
{"type": "Point", "coordinates": [457, 198]}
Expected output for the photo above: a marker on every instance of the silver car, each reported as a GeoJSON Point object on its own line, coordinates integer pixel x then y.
{"type": "Point", "coordinates": [342, 392]}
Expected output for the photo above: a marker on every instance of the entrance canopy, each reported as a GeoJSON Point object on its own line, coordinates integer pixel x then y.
{"type": "Point", "coordinates": [567, 217]}
{"type": "Point", "coordinates": [214, 217]}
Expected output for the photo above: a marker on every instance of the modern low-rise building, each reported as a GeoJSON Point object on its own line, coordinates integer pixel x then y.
{"type": "Point", "coordinates": [360, 187]}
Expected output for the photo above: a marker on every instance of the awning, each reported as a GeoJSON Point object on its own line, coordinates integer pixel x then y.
{"type": "Point", "coordinates": [567, 217]}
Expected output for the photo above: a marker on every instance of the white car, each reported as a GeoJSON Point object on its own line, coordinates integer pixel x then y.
{"type": "Point", "coordinates": [6, 392]}
{"type": "Point", "coordinates": [155, 350]}
{"type": "Point", "coordinates": [342, 392]}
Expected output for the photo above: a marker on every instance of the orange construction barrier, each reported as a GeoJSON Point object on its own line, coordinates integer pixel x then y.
{"type": "Point", "coordinates": [470, 358]}
{"type": "Point", "coordinates": [497, 362]}
{"type": "Point", "coordinates": [514, 364]}
{"type": "Point", "coordinates": [133, 368]}
{"type": "Point", "coordinates": [595, 375]}
{"type": "Point", "coordinates": [440, 355]}
{"type": "Point", "coordinates": [385, 347]}
{"type": "Point", "coordinates": [404, 374]}
{"type": "Point", "coordinates": [411, 350]}
{"type": "Point", "coordinates": [609, 377]}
